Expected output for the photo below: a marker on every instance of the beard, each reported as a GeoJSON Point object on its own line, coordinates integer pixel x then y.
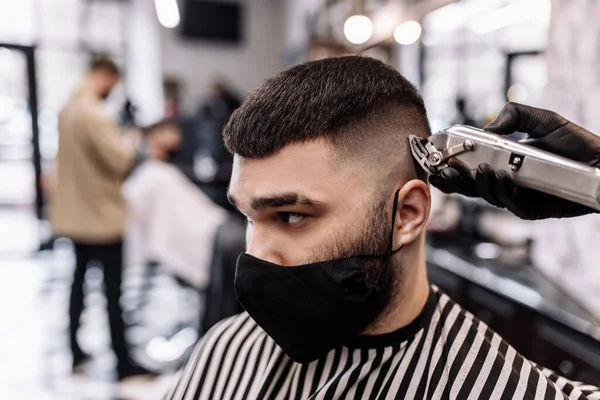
{"type": "Point", "coordinates": [373, 240]}
{"type": "Point", "coordinates": [104, 95]}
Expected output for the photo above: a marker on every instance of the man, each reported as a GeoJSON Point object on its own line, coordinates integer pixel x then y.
{"type": "Point", "coordinates": [334, 281]}
{"type": "Point", "coordinates": [87, 205]}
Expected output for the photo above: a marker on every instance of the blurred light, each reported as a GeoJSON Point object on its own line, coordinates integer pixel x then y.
{"type": "Point", "coordinates": [453, 16]}
{"type": "Point", "coordinates": [497, 19]}
{"type": "Point", "coordinates": [487, 251]}
{"type": "Point", "coordinates": [167, 12]}
{"type": "Point", "coordinates": [205, 167]}
{"type": "Point", "coordinates": [408, 32]}
{"type": "Point", "coordinates": [518, 93]}
{"type": "Point", "coordinates": [358, 29]}
{"type": "Point", "coordinates": [444, 19]}
{"type": "Point", "coordinates": [508, 15]}
{"type": "Point", "coordinates": [164, 350]}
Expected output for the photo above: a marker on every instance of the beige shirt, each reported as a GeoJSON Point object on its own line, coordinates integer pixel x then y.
{"type": "Point", "coordinates": [92, 162]}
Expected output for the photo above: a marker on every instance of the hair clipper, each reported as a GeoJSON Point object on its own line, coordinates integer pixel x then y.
{"type": "Point", "coordinates": [529, 167]}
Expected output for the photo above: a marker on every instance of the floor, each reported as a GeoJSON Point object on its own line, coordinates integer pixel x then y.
{"type": "Point", "coordinates": [34, 291]}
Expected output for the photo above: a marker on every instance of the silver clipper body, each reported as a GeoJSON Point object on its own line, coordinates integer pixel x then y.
{"type": "Point", "coordinates": [528, 167]}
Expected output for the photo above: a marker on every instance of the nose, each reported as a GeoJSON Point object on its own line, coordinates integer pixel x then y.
{"type": "Point", "coordinates": [260, 245]}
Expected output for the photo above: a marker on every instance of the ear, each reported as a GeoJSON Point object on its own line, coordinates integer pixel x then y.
{"type": "Point", "coordinates": [414, 202]}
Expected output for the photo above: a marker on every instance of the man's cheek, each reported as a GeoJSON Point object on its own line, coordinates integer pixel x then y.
{"type": "Point", "coordinates": [329, 246]}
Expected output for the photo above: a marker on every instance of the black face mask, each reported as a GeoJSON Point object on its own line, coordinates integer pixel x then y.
{"type": "Point", "coordinates": [172, 155]}
{"type": "Point", "coordinates": [311, 309]}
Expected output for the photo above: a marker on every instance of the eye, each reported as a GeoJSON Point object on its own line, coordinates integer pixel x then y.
{"type": "Point", "coordinates": [292, 218]}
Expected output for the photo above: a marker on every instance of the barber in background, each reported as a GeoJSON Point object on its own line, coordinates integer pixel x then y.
{"type": "Point", "coordinates": [87, 206]}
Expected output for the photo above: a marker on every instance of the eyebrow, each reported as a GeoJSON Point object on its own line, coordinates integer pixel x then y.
{"type": "Point", "coordinates": [279, 200]}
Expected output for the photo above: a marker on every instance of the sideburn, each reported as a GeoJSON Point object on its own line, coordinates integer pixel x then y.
{"type": "Point", "coordinates": [372, 239]}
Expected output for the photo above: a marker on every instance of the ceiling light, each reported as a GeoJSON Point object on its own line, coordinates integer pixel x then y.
{"type": "Point", "coordinates": [167, 12]}
{"type": "Point", "coordinates": [408, 32]}
{"type": "Point", "coordinates": [358, 29]}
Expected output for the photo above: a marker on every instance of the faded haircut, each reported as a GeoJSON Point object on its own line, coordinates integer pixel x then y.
{"type": "Point", "coordinates": [357, 104]}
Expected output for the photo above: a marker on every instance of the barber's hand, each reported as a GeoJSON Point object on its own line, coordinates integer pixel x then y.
{"type": "Point", "coordinates": [547, 131]}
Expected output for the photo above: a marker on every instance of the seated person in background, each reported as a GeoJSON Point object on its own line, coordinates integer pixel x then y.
{"type": "Point", "coordinates": [334, 283]}
{"type": "Point", "coordinates": [171, 221]}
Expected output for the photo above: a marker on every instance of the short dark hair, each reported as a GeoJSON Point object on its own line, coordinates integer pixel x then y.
{"type": "Point", "coordinates": [345, 100]}
{"type": "Point", "coordinates": [105, 64]}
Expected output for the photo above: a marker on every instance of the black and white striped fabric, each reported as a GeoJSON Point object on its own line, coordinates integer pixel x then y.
{"type": "Point", "coordinates": [446, 353]}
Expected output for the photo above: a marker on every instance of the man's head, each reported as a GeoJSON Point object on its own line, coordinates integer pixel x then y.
{"type": "Point", "coordinates": [163, 138]}
{"type": "Point", "coordinates": [320, 150]}
{"type": "Point", "coordinates": [103, 75]}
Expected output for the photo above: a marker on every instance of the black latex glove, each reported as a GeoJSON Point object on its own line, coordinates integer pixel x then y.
{"type": "Point", "coordinates": [546, 130]}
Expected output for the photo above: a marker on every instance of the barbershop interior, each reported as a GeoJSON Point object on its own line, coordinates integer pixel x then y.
{"type": "Point", "coordinates": [115, 268]}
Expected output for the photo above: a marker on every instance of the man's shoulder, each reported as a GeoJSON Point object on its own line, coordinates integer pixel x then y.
{"type": "Point", "coordinates": [231, 343]}
{"type": "Point", "coordinates": [230, 322]}
{"type": "Point", "coordinates": [222, 356]}
{"type": "Point", "coordinates": [481, 364]}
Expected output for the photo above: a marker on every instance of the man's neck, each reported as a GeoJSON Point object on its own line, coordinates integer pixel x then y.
{"type": "Point", "coordinates": [89, 89]}
{"type": "Point", "coordinates": [410, 298]}
{"type": "Point", "coordinates": [158, 154]}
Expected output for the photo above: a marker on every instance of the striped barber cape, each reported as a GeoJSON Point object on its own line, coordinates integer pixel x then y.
{"type": "Point", "coordinates": [446, 353]}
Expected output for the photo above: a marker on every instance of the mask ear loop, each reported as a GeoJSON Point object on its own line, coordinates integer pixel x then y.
{"type": "Point", "coordinates": [394, 210]}
{"type": "Point", "coordinates": [388, 256]}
